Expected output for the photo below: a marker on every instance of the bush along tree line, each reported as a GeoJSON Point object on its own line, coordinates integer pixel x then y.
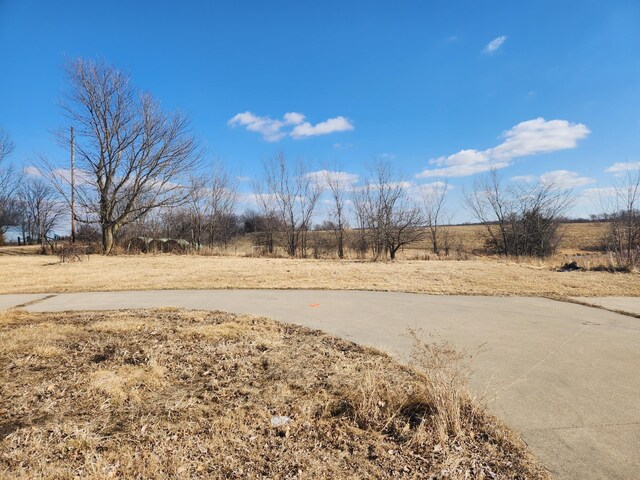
{"type": "Point", "coordinates": [139, 176]}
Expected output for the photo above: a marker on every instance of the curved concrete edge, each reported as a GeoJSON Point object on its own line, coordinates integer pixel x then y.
{"type": "Point", "coordinates": [18, 300]}
{"type": "Point", "coordinates": [628, 305]}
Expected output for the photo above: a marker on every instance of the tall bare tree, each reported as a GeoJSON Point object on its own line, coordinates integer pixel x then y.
{"type": "Point", "coordinates": [623, 214]}
{"type": "Point", "coordinates": [9, 182]}
{"type": "Point", "coordinates": [361, 237]}
{"type": "Point", "coordinates": [267, 222]}
{"type": "Point", "coordinates": [198, 209]}
{"type": "Point", "coordinates": [519, 219]}
{"type": "Point", "coordinates": [433, 201]}
{"type": "Point", "coordinates": [338, 188]}
{"type": "Point", "coordinates": [131, 156]}
{"type": "Point", "coordinates": [41, 208]}
{"type": "Point", "coordinates": [223, 197]}
{"type": "Point", "coordinates": [295, 194]}
{"type": "Point", "coordinates": [394, 219]}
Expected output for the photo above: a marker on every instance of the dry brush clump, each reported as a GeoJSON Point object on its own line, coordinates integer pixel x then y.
{"type": "Point", "coordinates": [173, 394]}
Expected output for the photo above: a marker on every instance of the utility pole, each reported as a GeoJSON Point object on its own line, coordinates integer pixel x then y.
{"type": "Point", "coordinates": [73, 191]}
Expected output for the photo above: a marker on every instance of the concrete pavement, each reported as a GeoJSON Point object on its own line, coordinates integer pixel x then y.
{"type": "Point", "coordinates": [11, 301]}
{"type": "Point", "coordinates": [621, 304]}
{"type": "Point", "coordinates": [564, 375]}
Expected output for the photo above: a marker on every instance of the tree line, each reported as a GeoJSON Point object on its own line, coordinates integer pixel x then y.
{"type": "Point", "coordinates": [139, 173]}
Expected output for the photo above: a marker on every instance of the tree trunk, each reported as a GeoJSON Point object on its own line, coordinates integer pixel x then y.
{"type": "Point", "coordinates": [108, 232]}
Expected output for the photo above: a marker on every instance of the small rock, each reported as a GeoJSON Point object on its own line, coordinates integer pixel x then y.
{"type": "Point", "coordinates": [280, 420]}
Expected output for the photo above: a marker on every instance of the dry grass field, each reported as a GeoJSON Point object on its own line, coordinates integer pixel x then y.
{"type": "Point", "coordinates": [23, 271]}
{"type": "Point", "coordinates": [45, 274]}
{"type": "Point", "coordinates": [175, 394]}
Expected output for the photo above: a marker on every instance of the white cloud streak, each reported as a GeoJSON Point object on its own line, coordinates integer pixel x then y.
{"type": "Point", "coordinates": [337, 124]}
{"type": "Point", "coordinates": [565, 179]}
{"type": "Point", "coordinates": [273, 130]}
{"type": "Point", "coordinates": [623, 167]}
{"type": "Point", "coordinates": [532, 137]}
{"type": "Point", "coordinates": [523, 178]}
{"type": "Point", "coordinates": [343, 179]}
{"type": "Point", "coordinates": [495, 44]}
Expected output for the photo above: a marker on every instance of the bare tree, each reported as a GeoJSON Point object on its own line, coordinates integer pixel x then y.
{"type": "Point", "coordinates": [267, 222]}
{"type": "Point", "coordinates": [339, 190]}
{"type": "Point", "coordinates": [623, 238]}
{"type": "Point", "coordinates": [6, 145]}
{"type": "Point", "coordinates": [9, 182]}
{"type": "Point", "coordinates": [42, 209]}
{"type": "Point", "coordinates": [223, 197]}
{"type": "Point", "coordinates": [492, 206]}
{"type": "Point", "coordinates": [359, 200]}
{"type": "Point", "coordinates": [131, 156]}
{"type": "Point", "coordinates": [198, 209]}
{"type": "Point", "coordinates": [295, 194]}
{"type": "Point", "coordinates": [433, 201]}
{"type": "Point", "coordinates": [394, 220]}
{"type": "Point", "coordinates": [519, 220]}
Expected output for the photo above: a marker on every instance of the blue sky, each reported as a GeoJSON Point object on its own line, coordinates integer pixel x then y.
{"type": "Point", "coordinates": [441, 89]}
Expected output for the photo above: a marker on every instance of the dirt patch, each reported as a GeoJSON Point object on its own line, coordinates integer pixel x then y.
{"type": "Point", "coordinates": [187, 394]}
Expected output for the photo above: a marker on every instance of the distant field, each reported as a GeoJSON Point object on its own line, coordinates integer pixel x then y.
{"type": "Point", "coordinates": [173, 394]}
{"type": "Point", "coordinates": [577, 238]}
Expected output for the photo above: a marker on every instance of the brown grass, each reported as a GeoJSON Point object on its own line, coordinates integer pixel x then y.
{"type": "Point", "coordinates": [38, 274]}
{"type": "Point", "coordinates": [174, 394]}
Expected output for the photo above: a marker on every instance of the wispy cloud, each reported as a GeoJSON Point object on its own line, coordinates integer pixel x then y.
{"type": "Point", "coordinates": [532, 137]}
{"type": "Point", "coordinates": [565, 179]}
{"type": "Point", "coordinates": [494, 44]}
{"type": "Point", "coordinates": [556, 178]}
{"type": "Point", "coordinates": [622, 167]}
{"type": "Point", "coordinates": [433, 188]}
{"type": "Point", "coordinates": [32, 171]}
{"type": "Point", "coordinates": [270, 129]}
{"type": "Point", "coordinates": [523, 178]}
{"type": "Point", "coordinates": [344, 180]}
{"type": "Point", "coordinates": [273, 130]}
{"type": "Point", "coordinates": [337, 124]}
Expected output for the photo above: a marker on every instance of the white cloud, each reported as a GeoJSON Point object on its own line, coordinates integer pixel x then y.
{"type": "Point", "coordinates": [273, 130]}
{"type": "Point", "coordinates": [600, 192]}
{"type": "Point", "coordinates": [293, 118]}
{"type": "Point", "coordinates": [337, 124]}
{"type": "Point", "coordinates": [267, 127]}
{"type": "Point", "coordinates": [495, 44]}
{"type": "Point", "coordinates": [32, 171]}
{"type": "Point", "coordinates": [433, 188]}
{"type": "Point", "coordinates": [343, 146]}
{"type": "Point", "coordinates": [344, 180]}
{"type": "Point", "coordinates": [523, 178]}
{"type": "Point", "coordinates": [565, 179]}
{"type": "Point", "coordinates": [531, 137]}
{"type": "Point", "coordinates": [623, 167]}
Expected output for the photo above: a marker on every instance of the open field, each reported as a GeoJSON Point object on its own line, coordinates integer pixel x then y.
{"type": "Point", "coordinates": [175, 394]}
{"type": "Point", "coordinates": [44, 274]}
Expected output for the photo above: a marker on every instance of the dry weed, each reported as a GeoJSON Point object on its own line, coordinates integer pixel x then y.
{"type": "Point", "coordinates": [171, 394]}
